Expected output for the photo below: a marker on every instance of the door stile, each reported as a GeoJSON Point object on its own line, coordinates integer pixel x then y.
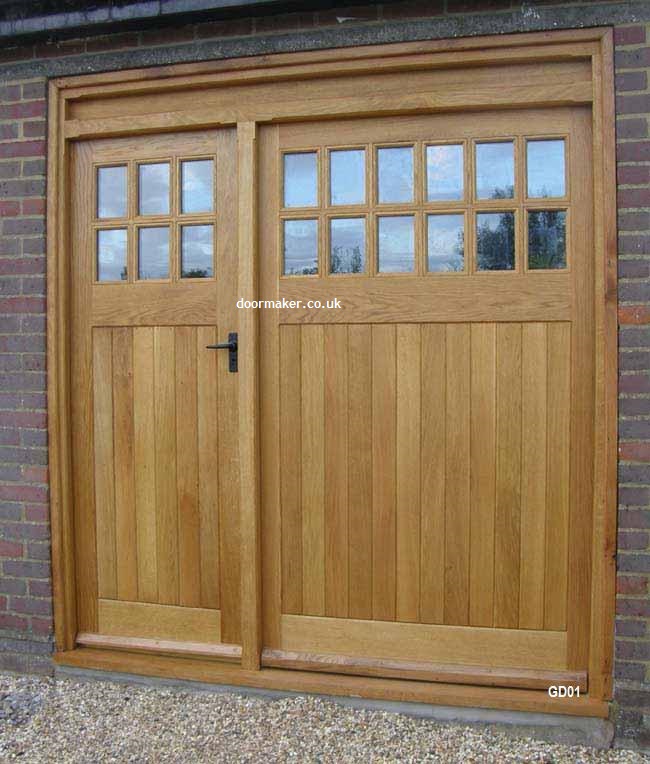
{"type": "Point", "coordinates": [249, 451]}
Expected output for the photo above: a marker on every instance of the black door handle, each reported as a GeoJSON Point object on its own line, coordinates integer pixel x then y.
{"type": "Point", "coordinates": [231, 347]}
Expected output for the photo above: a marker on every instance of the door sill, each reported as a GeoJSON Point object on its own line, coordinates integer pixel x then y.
{"type": "Point", "coordinates": [222, 652]}
{"type": "Point", "coordinates": [321, 683]}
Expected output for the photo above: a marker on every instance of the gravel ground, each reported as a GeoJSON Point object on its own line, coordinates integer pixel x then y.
{"type": "Point", "coordinates": [61, 720]}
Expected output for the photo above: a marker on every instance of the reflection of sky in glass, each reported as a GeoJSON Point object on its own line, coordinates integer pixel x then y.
{"type": "Point", "coordinates": [396, 243]}
{"type": "Point", "coordinates": [153, 253]}
{"type": "Point", "coordinates": [111, 255]}
{"type": "Point", "coordinates": [445, 245]}
{"type": "Point", "coordinates": [348, 176]}
{"type": "Point", "coordinates": [111, 192]}
{"type": "Point", "coordinates": [395, 170]}
{"type": "Point", "coordinates": [196, 251]}
{"type": "Point", "coordinates": [300, 247]}
{"type": "Point", "coordinates": [545, 164]}
{"type": "Point", "coordinates": [196, 185]}
{"type": "Point", "coordinates": [153, 190]}
{"type": "Point", "coordinates": [300, 180]}
{"type": "Point", "coordinates": [547, 239]}
{"type": "Point", "coordinates": [495, 246]}
{"type": "Point", "coordinates": [495, 170]}
{"type": "Point", "coordinates": [444, 173]}
{"type": "Point", "coordinates": [347, 245]}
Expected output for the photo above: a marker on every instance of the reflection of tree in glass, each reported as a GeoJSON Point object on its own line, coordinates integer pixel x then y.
{"type": "Point", "coordinates": [303, 271]}
{"type": "Point", "coordinates": [507, 192]}
{"type": "Point", "coordinates": [346, 260]}
{"type": "Point", "coordinates": [195, 273]}
{"type": "Point", "coordinates": [496, 245]}
{"type": "Point", "coordinates": [123, 274]}
{"type": "Point", "coordinates": [547, 239]}
{"type": "Point", "coordinates": [456, 262]}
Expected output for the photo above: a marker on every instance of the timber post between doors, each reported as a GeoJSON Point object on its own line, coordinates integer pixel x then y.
{"type": "Point", "coordinates": [249, 453]}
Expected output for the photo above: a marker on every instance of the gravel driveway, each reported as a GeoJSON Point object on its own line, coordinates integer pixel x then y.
{"type": "Point", "coordinates": [61, 720]}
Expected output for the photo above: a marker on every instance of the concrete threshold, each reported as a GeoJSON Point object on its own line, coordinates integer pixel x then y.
{"type": "Point", "coordinates": [555, 728]}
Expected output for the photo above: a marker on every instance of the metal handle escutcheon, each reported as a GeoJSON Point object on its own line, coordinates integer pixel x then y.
{"type": "Point", "coordinates": [231, 347]}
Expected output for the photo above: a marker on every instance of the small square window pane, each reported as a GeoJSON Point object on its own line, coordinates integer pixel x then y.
{"type": "Point", "coordinates": [495, 241]}
{"type": "Point", "coordinates": [396, 244]}
{"type": "Point", "coordinates": [197, 248]}
{"type": "Point", "coordinates": [495, 170]}
{"type": "Point", "coordinates": [197, 187]}
{"type": "Point", "coordinates": [300, 247]}
{"type": "Point", "coordinates": [347, 245]}
{"type": "Point", "coordinates": [348, 176]}
{"type": "Point", "coordinates": [153, 253]}
{"type": "Point", "coordinates": [445, 242]}
{"type": "Point", "coordinates": [301, 180]}
{"type": "Point", "coordinates": [547, 239]}
{"type": "Point", "coordinates": [445, 173]}
{"type": "Point", "coordinates": [545, 168]}
{"type": "Point", "coordinates": [111, 192]}
{"type": "Point", "coordinates": [153, 189]}
{"type": "Point", "coordinates": [111, 255]}
{"type": "Point", "coordinates": [395, 175]}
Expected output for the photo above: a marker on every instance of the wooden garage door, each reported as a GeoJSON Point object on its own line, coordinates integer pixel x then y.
{"type": "Point", "coordinates": [155, 411]}
{"type": "Point", "coordinates": [427, 446]}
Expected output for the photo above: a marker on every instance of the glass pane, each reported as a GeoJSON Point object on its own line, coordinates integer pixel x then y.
{"type": "Point", "coordinates": [153, 189]}
{"type": "Point", "coordinates": [197, 188]}
{"type": "Point", "coordinates": [111, 192]}
{"type": "Point", "coordinates": [444, 173]}
{"type": "Point", "coordinates": [300, 247]}
{"type": "Point", "coordinates": [445, 242]}
{"type": "Point", "coordinates": [396, 244]}
{"type": "Point", "coordinates": [347, 245]}
{"type": "Point", "coordinates": [348, 176]}
{"type": "Point", "coordinates": [153, 253]}
{"type": "Point", "coordinates": [196, 251]}
{"type": "Point", "coordinates": [547, 239]}
{"type": "Point", "coordinates": [301, 180]}
{"type": "Point", "coordinates": [495, 241]}
{"type": "Point", "coordinates": [495, 170]}
{"type": "Point", "coordinates": [395, 170]}
{"type": "Point", "coordinates": [111, 255]}
{"type": "Point", "coordinates": [545, 167]}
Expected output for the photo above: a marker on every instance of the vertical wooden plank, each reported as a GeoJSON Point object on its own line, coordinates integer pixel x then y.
{"type": "Point", "coordinates": [533, 476]}
{"type": "Point", "coordinates": [165, 439]}
{"type": "Point", "coordinates": [145, 462]}
{"type": "Point", "coordinates": [187, 460]}
{"type": "Point", "coordinates": [408, 473]}
{"type": "Point", "coordinates": [434, 424]}
{"type": "Point", "coordinates": [482, 474]}
{"type": "Point", "coordinates": [336, 470]}
{"type": "Point", "coordinates": [384, 384]}
{"type": "Point", "coordinates": [508, 482]}
{"type": "Point", "coordinates": [125, 526]}
{"type": "Point", "coordinates": [360, 470]}
{"type": "Point", "coordinates": [249, 440]}
{"type": "Point", "coordinates": [557, 475]}
{"type": "Point", "coordinates": [104, 464]}
{"type": "Point", "coordinates": [290, 461]}
{"type": "Point", "coordinates": [457, 527]}
{"type": "Point", "coordinates": [208, 466]}
{"type": "Point", "coordinates": [313, 469]}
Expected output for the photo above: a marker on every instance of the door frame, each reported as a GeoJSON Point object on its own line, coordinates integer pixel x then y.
{"type": "Point", "coordinates": [82, 107]}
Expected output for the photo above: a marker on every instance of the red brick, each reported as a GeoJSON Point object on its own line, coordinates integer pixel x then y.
{"type": "Point", "coordinates": [22, 305]}
{"type": "Point", "coordinates": [34, 129]}
{"type": "Point", "coordinates": [31, 605]}
{"type": "Point", "coordinates": [22, 149]}
{"type": "Point", "coordinates": [170, 36]}
{"type": "Point", "coordinates": [637, 607]}
{"type": "Point", "coordinates": [634, 383]}
{"type": "Point", "coordinates": [632, 540]}
{"type": "Point", "coordinates": [634, 452]}
{"type": "Point", "coordinates": [225, 28]}
{"type": "Point", "coordinates": [8, 621]}
{"type": "Point", "coordinates": [23, 493]}
{"type": "Point", "coordinates": [37, 513]}
{"type": "Point", "coordinates": [9, 93]}
{"type": "Point", "coordinates": [630, 175]}
{"type": "Point", "coordinates": [634, 127]}
{"type": "Point", "coordinates": [631, 81]}
{"type": "Point", "coordinates": [35, 473]}
{"type": "Point", "coordinates": [632, 585]}
{"type": "Point", "coordinates": [637, 58]}
{"type": "Point", "coordinates": [9, 209]}
{"type": "Point", "coordinates": [23, 110]}
{"type": "Point", "coordinates": [112, 42]}
{"type": "Point", "coordinates": [9, 131]}
{"type": "Point", "coordinates": [629, 35]}
{"type": "Point", "coordinates": [60, 48]}
{"type": "Point", "coordinates": [40, 589]}
{"type": "Point", "coordinates": [634, 314]}
{"type": "Point", "coordinates": [10, 548]}
{"type": "Point", "coordinates": [34, 206]}
{"type": "Point", "coordinates": [41, 625]}
{"type": "Point", "coordinates": [23, 418]}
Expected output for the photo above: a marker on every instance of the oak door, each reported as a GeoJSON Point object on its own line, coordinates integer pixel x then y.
{"type": "Point", "coordinates": [427, 447]}
{"type": "Point", "coordinates": [154, 412]}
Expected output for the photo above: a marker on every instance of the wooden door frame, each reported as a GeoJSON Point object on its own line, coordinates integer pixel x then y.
{"type": "Point", "coordinates": [71, 117]}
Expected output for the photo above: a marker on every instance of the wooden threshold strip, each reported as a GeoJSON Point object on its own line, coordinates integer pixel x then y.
{"type": "Point", "coordinates": [163, 646]}
{"type": "Point", "coordinates": [425, 672]}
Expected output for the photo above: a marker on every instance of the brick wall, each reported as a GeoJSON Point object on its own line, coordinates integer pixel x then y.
{"type": "Point", "coordinates": [25, 601]}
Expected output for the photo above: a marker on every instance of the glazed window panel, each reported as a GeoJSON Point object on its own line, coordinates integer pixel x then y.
{"type": "Point", "coordinates": [112, 193]}
{"type": "Point", "coordinates": [197, 186]}
{"type": "Point", "coordinates": [112, 248]}
{"type": "Point", "coordinates": [153, 253]}
{"type": "Point", "coordinates": [445, 172]}
{"type": "Point", "coordinates": [545, 169]}
{"type": "Point", "coordinates": [395, 175]}
{"type": "Point", "coordinates": [495, 241]}
{"type": "Point", "coordinates": [347, 245]}
{"type": "Point", "coordinates": [347, 176]}
{"type": "Point", "coordinates": [495, 170]}
{"type": "Point", "coordinates": [396, 244]}
{"type": "Point", "coordinates": [445, 243]}
{"type": "Point", "coordinates": [197, 251]}
{"type": "Point", "coordinates": [154, 188]}
{"type": "Point", "coordinates": [546, 239]}
{"type": "Point", "coordinates": [301, 179]}
{"type": "Point", "coordinates": [300, 247]}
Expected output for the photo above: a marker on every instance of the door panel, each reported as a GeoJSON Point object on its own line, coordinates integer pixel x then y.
{"type": "Point", "coordinates": [154, 410]}
{"type": "Point", "coordinates": [431, 432]}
